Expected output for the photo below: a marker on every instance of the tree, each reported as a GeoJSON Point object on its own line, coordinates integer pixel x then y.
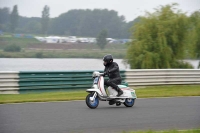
{"type": "Point", "coordinates": [195, 32]}
{"type": "Point", "coordinates": [33, 27]}
{"type": "Point", "coordinates": [89, 23]}
{"type": "Point", "coordinates": [14, 18]}
{"type": "Point", "coordinates": [101, 39]}
{"type": "Point", "coordinates": [4, 19]}
{"type": "Point", "coordinates": [159, 40]}
{"type": "Point", "coordinates": [29, 25]}
{"type": "Point", "coordinates": [4, 15]}
{"type": "Point", "coordinates": [45, 19]}
{"type": "Point", "coordinates": [127, 27]}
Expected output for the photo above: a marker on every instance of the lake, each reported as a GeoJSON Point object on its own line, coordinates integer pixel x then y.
{"type": "Point", "coordinates": [60, 64]}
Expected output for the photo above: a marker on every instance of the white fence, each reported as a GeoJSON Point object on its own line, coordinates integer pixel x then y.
{"type": "Point", "coordinates": [9, 81]}
{"type": "Point", "coordinates": [146, 77]}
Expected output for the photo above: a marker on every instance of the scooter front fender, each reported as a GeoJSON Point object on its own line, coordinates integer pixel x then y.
{"type": "Point", "coordinates": [95, 90]}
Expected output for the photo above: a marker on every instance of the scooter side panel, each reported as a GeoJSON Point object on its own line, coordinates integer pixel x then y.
{"type": "Point", "coordinates": [112, 92]}
{"type": "Point", "coordinates": [127, 92]}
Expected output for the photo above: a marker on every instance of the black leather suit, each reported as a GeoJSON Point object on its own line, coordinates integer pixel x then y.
{"type": "Point", "coordinates": [112, 70]}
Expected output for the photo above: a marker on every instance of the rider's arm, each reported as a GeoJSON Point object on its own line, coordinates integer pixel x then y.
{"type": "Point", "coordinates": [105, 73]}
{"type": "Point", "coordinates": [116, 67]}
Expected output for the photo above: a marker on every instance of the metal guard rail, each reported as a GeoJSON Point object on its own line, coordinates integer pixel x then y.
{"type": "Point", "coordinates": [39, 81]}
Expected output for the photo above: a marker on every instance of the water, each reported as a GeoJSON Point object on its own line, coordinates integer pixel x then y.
{"type": "Point", "coordinates": [194, 63]}
{"type": "Point", "coordinates": [32, 64]}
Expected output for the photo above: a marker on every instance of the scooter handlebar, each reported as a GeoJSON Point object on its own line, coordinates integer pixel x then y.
{"type": "Point", "coordinates": [101, 74]}
{"type": "Point", "coordinates": [95, 74]}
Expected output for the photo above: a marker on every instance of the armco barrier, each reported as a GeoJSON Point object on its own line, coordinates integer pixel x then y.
{"type": "Point", "coordinates": [9, 82]}
{"type": "Point", "coordinates": [37, 81]}
{"type": "Point", "coordinates": [146, 77]}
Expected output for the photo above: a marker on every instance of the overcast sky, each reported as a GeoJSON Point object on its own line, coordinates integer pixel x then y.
{"type": "Point", "coordinates": [129, 8]}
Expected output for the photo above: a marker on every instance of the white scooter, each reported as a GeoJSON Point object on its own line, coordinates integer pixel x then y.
{"type": "Point", "coordinates": [98, 92]}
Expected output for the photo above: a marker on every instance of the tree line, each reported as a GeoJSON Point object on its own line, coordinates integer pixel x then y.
{"type": "Point", "coordinates": [161, 39]}
{"type": "Point", "coordinates": [88, 23]}
{"type": "Point", "coordinates": [164, 38]}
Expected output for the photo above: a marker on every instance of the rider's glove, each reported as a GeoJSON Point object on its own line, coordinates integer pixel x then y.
{"type": "Point", "coordinates": [105, 73]}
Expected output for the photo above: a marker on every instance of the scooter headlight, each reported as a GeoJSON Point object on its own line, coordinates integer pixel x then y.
{"type": "Point", "coordinates": [95, 74]}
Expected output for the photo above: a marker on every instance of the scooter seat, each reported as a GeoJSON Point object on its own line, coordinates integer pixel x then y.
{"type": "Point", "coordinates": [124, 83]}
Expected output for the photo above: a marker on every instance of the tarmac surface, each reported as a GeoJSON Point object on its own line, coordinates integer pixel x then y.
{"type": "Point", "coordinates": [75, 117]}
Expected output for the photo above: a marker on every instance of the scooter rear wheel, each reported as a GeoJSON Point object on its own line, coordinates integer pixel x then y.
{"type": "Point", "coordinates": [129, 102]}
{"type": "Point", "coordinates": [92, 104]}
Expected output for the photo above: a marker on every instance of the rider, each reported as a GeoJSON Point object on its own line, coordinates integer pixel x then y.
{"type": "Point", "coordinates": [112, 70]}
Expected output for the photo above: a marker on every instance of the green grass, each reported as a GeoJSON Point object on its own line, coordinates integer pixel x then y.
{"type": "Point", "coordinates": [170, 131]}
{"type": "Point", "coordinates": [169, 91]}
{"type": "Point", "coordinates": [18, 40]}
{"type": "Point", "coordinates": [77, 51]}
{"type": "Point", "coordinates": [148, 92]}
{"type": "Point", "coordinates": [43, 97]}
{"type": "Point", "coordinates": [63, 53]}
{"type": "Point", "coordinates": [22, 42]}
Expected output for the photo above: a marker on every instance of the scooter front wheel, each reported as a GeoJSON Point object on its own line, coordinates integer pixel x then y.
{"type": "Point", "coordinates": [129, 102]}
{"type": "Point", "coordinates": [92, 104]}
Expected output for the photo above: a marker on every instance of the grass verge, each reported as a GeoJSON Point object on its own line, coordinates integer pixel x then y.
{"type": "Point", "coordinates": [148, 92]}
{"type": "Point", "coordinates": [169, 91]}
{"type": "Point", "coordinates": [32, 48]}
{"type": "Point", "coordinates": [76, 53]}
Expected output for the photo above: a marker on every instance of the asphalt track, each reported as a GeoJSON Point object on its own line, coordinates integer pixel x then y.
{"type": "Point", "coordinates": [75, 117]}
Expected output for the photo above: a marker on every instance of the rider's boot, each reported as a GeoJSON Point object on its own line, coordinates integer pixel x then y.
{"type": "Point", "coordinates": [120, 92]}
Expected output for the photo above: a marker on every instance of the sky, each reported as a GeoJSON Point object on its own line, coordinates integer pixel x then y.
{"type": "Point", "coordinates": [128, 8]}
